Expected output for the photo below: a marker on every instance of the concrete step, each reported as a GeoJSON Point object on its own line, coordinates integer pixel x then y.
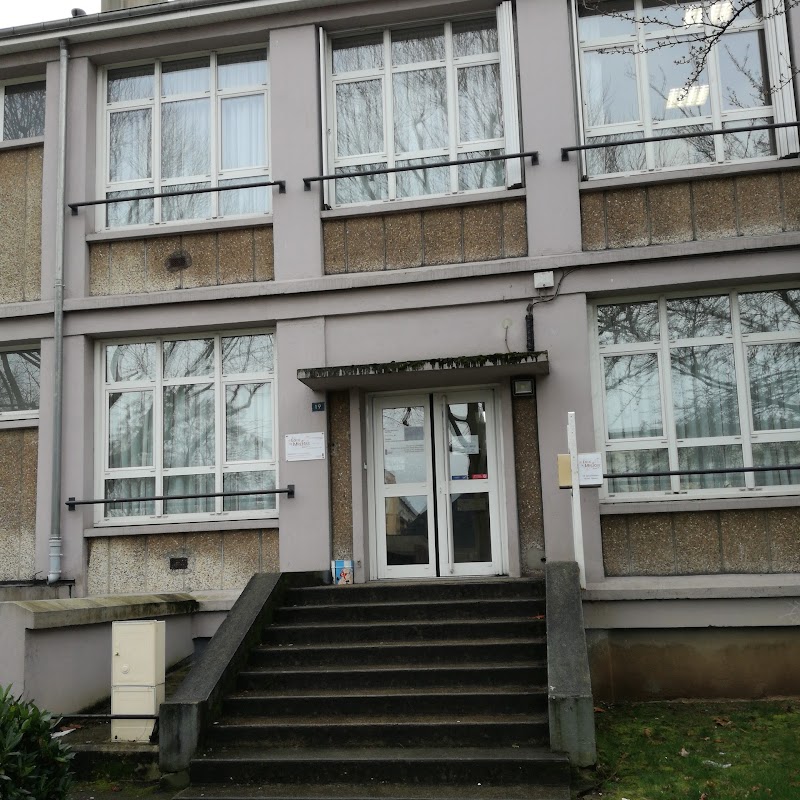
{"type": "Point", "coordinates": [416, 631]}
{"type": "Point", "coordinates": [531, 673]}
{"type": "Point", "coordinates": [345, 730]}
{"type": "Point", "coordinates": [330, 704]}
{"type": "Point", "coordinates": [463, 766]}
{"type": "Point", "coordinates": [486, 651]}
{"type": "Point", "coordinates": [375, 791]}
{"type": "Point", "coordinates": [431, 610]}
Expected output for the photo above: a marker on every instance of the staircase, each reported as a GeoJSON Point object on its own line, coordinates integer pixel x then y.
{"type": "Point", "coordinates": [412, 691]}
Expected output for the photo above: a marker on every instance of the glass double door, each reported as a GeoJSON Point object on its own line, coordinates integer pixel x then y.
{"type": "Point", "coordinates": [436, 485]}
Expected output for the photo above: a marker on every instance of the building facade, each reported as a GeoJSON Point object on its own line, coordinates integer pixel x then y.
{"type": "Point", "coordinates": [402, 347]}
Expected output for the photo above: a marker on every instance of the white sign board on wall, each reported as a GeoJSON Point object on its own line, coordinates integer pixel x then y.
{"type": "Point", "coordinates": [305, 446]}
{"type": "Point", "coordinates": [590, 469]}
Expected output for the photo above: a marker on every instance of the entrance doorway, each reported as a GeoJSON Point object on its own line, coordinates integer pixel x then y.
{"type": "Point", "coordinates": [436, 485]}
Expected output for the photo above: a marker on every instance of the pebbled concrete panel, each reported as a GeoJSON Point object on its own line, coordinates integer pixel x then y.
{"type": "Point", "coordinates": [366, 248]}
{"type": "Point", "coordinates": [483, 227]}
{"type": "Point", "coordinates": [515, 229]}
{"type": "Point", "coordinates": [616, 550]}
{"type": "Point", "coordinates": [442, 236]}
{"type": "Point", "coordinates": [32, 287]}
{"type": "Point", "coordinates": [127, 267]}
{"type": "Point", "coordinates": [99, 269]}
{"type": "Point", "coordinates": [241, 557]}
{"type": "Point", "coordinates": [98, 566]}
{"type": "Point", "coordinates": [341, 475]}
{"type": "Point", "coordinates": [593, 220]}
{"type": "Point", "coordinates": [159, 577]}
{"type": "Point", "coordinates": [745, 546]}
{"type": "Point", "coordinates": [697, 543]}
{"type": "Point", "coordinates": [264, 255]}
{"type": "Point", "coordinates": [670, 210]}
{"type": "Point", "coordinates": [13, 183]}
{"type": "Point", "coordinates": [157, 251]}
{"type": "Point", "coordinates": [627, 219]}
{"type": "Point", "coordinates": [714, 209]}
{"type": "Point", "coordinates": [783, 526]}
{"type": "Point", "coordinates": [335, 252]}
{"type": "Point", "coordinates": [759, 203]}
{"type": "Point", "coordinates": [203, 249]}
{"type": "Point", "coordinates": [128, 560]}
{"type": "Point", "coordinates": [204, 551]}
{"type": "Point", "coordinates": [236, 257]}
{"type": "Point", "coordinates": [404, 240]}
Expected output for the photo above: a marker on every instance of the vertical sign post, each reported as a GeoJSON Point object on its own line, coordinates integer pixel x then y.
{"type": "Point", "coordinates": [577, 523]}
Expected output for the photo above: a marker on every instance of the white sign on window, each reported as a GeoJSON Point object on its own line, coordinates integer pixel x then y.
{"type": "Point", "coordinates": [590, 469]}
{"type": "Point", "coordinates": [305, 446]}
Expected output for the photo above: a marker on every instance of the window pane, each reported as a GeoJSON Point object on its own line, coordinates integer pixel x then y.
{"type": "Point", "coordinates": [19, 380]}
{"type": "Point", "coordinates": [185, 77]}
{"type": "Point", "coordinates": [404, 452]}
{"type": "Point", "coordinates": [719, 456]}
{"type": "Point", "coordinates": [704, 395]}
{"type": "Point", "coordinates": [189, 358]}
{"type": "Point", "coordinates": [354, 55]}
{"type": "Point", "coordinates": [364, 189]}
{"type": "Point", "coordinates": [755, 144]}
{"type": "Point", "coordinates": [610, 93]}
{"type": "Point", "coordinates": [420, 110]}
{"type": "Point", "coordinates": [137, 212]}
{"type": "Point", "coordinates": [626, 461]}
{"type": "Point", "coordinates": [693, 317]}
{"type": "Point", "coordinates": [778, 454]}
{"type": "Point", "coordinates": [775, 385]}
{"type": "Point", "coordinates": [247, 354]}
{"type": "Point", "coordinates": [185, 138]}
{"type": "Point", "coordinates": [359, 118]}
{"type": "Point", "coordinates": [604, 20]}
{"type": "Point", "coordinates": [130, 362]}
{"type": "Point", "coordinates": [189, 484]}
{"type": "Point", "coordinates": [765, 312]}
{"type": "Point", "coordinates": [249, 481]}
{"type": "Point", "coordinates": [406, 530]}
{"type": "Point", "coordinates": [23, 111]}
{"type": "Point", "coordinates": [240, 70]}
{"type": "Point", "coordinates": [130, 429]}
{"type": "Point", "coordinates": [415, 47]}
{"type": "Point", "coordinates": [616, 158]}
{"type": "Point", "coordinates": [679, 152]}
{"type": "Point", "coordinates": [130, 487]}
{"type": "Point", "coordinates": [424, 181]}
{"type": "Point", "coordinates": [628, 323]}
{"type": "Point", "coordinates": [131, 145]}
{"type": "Point", "coordinates": [244, 135]}
{"type": "Point", "coordinates": [675, 91]}
{"type": "Point", "coordinates": [131, 83]}
{"type": "Point", "coordinates": [466, 441]}
{"type": "Point", "coordinates": [483, 175]}
{"type": "Point", "coordinates": [480, 105]}
{"type": "Point", "coordinates": [248, 422]}
{"type": "Point", "coordinates": [189, 426]}
{"type": "Point", "coordinates": [472, 535]}
{"type": "Point", "coordinates": [187, 206]}
{"type": "Point", "coordinates": [475, 38]}
{"type": "Point", "coordinates": [743, 70]}
{"type": "Point", "coordinates": [633, 396]}
{"type": "Point", "coordinates": [244, 201]}
{"type": "Point", "coordinates": [670, 17]}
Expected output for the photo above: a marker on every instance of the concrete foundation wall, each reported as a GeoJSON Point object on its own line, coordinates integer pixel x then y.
{"type": "Point", "coordinates": [222, 560]}
{"type": "Point", "coordinates": [21, 224]}
{"type": "Point", "coordinates": [19, 452]}
{"type": "Point", "coordinates": [702, 543]}
{"type": "Point", "coordinates": [703, 662]}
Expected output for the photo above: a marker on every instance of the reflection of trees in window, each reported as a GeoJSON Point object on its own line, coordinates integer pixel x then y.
{"type": "Point", "coordinates": [23, 111]}
{"type": "Point", "coordinates": [19, 380]}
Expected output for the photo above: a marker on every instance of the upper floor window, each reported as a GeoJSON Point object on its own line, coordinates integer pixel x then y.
{"type": "Point", "coordinates": [22, 110]}
{"type": "Point", "coordinates": [195, 123]}
{"type": "Point", "coordinates": [642, 76]}
{"type": "Point", "coordinates": [19, 383]}
{"type": "Point", "coordinates": [695, 383]}
{"type": "Point", "coordinates": [445, 92]}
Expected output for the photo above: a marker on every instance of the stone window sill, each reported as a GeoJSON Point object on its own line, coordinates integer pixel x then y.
{"type": "Point", "coordinates": [185, 228]}
{"type": "Point", "coordinates": [13, 424]}
{"type": "Point", "coordinates": [207, 526]}
{"type": "Point", "coordinates": [713, 504]}
{"type": "Point", "coordinates": [21, 144]}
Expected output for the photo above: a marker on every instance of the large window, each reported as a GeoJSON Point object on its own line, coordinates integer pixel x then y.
{"type": "Point", "coordinates": [19, 383]}
{"type": "Point", "coordinates": [693, 383]}
{"type": "Point", "coordinates": [195, 123]}
{"type": "Point", "coordinates": [639, 78]}
{"type": "Point", "coordinates": [22, 110]}
{"type": "Point", "coordinates": [404, 97]}
{"type": "Point", "coordinates": [188, 416]}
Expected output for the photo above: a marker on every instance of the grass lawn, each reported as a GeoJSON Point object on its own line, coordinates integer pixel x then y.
{"type": "Point", "coordinates": [696, 750]}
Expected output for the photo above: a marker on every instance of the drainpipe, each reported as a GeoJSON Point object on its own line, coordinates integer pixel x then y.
{"type": "Point", "coordinates": [58, 320]}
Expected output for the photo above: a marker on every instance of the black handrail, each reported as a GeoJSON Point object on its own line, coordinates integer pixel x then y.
{"type": "Point", "coordinates": [71, 503]}
{"type": "Point", "coordinates": [184, 192]}
{"type": "Point", "coordinates": [721, 470]}
{"type": "Point", "coordinates": [565, 151]}
{"type": "Point", "coordinates": [365, 173]}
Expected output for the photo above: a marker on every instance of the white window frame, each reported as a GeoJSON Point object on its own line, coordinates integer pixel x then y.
{"type": "Point", "coordinates": [16, 82]}
{"type": "Point", "coordinates": [509, 143]}
{"type": "Point", "coordinates": [773, 23]}
{"type": "Point", "coordinates": [157, 471]}
{"type": "Point", "coordinates": [747, 436]}
{"type": "Point", "coordinates": [155, 183]}
{"type": "Point", "coordinates": [22, 414]}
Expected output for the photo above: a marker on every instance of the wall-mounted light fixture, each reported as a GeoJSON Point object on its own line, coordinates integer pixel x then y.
{"type": "Point", "coordinates": [522, 387]}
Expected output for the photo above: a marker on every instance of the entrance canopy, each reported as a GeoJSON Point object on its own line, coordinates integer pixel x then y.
{"type": "Point", "coordinates": [405, 375]}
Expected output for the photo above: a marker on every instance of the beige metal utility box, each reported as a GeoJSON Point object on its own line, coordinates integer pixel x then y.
{"type": "Point", "coordinates": [137, 677]}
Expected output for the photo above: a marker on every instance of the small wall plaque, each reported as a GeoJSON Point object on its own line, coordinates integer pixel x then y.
{"type": "Point", "coordinates": [318, 406]}
{"type": "Point", "coordinates": [179, 563]}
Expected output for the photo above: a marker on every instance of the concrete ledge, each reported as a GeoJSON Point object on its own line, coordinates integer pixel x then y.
{"type": "Point", "coordinates": [571, 708]}
{"type": "Point", "coordinates": [694, 587]}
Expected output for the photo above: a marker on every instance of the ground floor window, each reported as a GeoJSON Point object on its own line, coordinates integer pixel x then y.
{"type": "Point", "coordinates": [694, 383]}
{"type": "Point", "coordinates": [188, 416]}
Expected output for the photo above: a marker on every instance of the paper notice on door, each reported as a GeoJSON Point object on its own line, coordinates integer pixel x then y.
{"type": "Point", "coordinates": [469, 444]}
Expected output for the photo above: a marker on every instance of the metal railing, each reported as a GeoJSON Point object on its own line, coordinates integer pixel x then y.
{"type": "Point", "coordinates": [365, 173]}
{"type": "Point", "coordinates": [565, 151]}
{"type": "Point", "coordinates": [678, 472]}
{"type": "Point", "coordinates": [73, 207]}
{"type": "Point", "coordinates": [72, 503]}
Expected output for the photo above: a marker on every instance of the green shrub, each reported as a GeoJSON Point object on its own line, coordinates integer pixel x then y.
{"type": "Point", "coordinates": [32, 763]}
